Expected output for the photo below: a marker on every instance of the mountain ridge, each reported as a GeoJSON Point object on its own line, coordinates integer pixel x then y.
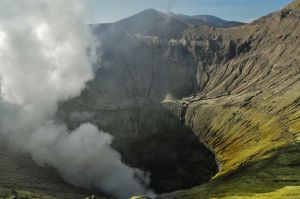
{"type": "Point", "coordinates": [155, 23]}
{"type": "Point", "coordinates": [208, 20]}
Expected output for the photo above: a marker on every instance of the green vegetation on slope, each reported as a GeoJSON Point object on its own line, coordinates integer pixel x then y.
{"type": "Point", "coordinates": [248, 113]}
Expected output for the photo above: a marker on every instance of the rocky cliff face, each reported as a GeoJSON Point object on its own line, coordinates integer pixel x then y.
{"type": "Point", "coordinates": [247, 106]}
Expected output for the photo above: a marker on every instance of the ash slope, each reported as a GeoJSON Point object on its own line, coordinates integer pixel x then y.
{"type": "Point", "coordinates": [247, 110]}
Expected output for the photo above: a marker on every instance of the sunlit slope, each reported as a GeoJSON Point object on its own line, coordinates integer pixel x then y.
{"type": "Point", "coordinates": [248, 108]}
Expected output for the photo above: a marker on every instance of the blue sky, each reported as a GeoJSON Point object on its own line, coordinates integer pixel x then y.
{"type": "Point", "coordinates": [100, 11]}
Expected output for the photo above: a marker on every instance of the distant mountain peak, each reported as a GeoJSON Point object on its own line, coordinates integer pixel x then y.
{"type": "Point", "coordinates": [150, 10]}
{"type": "Point", "coordinates": [154, 23]}
{"type": "Point", "coordinates": [151, 22]}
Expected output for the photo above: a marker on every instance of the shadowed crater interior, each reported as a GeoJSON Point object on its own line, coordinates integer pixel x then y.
{"type": "Point", "coordinates": [153, 139]}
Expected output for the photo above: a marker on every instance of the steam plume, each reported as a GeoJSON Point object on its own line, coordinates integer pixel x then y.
{"type": "Point", "coordinates": [43, 61]}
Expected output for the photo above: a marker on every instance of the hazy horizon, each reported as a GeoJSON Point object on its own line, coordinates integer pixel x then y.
{"type": "Point", "coordinates": [104, 11]}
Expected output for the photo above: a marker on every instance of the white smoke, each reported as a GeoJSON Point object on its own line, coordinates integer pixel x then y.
{"type": "Point", "coordinates": [43, 60]}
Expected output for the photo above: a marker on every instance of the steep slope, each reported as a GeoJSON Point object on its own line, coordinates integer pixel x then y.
{"type": "Point", "coordinates": [247, 106]}
{"type": "Point", "coordinates": [20, 173]}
